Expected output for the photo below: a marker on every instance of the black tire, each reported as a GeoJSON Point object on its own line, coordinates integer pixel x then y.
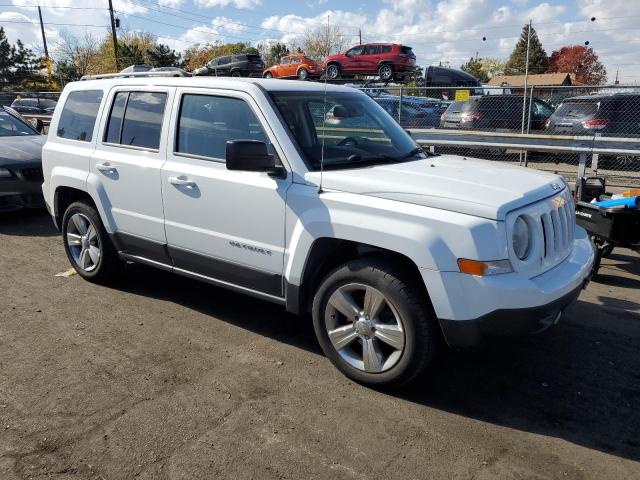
{"type": "Point", "coordinates": [333, 72]}
{"type": "Point", "coordinates": [303, 74]}
{"type": "Point", "coordinates": [236, 74]}
{"type": "Point", "coordinates": [419, 327]}
{"type": "Point", "coordinates": [385, 72]}
{"type": "Point", "coordinates": [109, 262]}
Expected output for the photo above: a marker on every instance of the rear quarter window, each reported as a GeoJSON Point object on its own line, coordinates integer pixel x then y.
{"type": "Point", "coordinates": [78, 117]}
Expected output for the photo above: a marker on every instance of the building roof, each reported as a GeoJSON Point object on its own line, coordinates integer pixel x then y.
{"type": "Point", "coordinates": [540, 79]}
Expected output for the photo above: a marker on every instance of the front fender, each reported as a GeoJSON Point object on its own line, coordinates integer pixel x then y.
{"type": "Point", "coordinates": [432, 239]}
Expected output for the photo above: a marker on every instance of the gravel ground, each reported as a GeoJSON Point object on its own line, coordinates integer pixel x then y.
{"type": "Point", "coordinates": [162, 377]}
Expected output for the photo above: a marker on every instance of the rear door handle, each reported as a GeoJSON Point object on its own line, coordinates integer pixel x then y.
{"type": "Point", "coordinates": [182, 181]}
{"type": "Point", "coordinates": [106, 167]}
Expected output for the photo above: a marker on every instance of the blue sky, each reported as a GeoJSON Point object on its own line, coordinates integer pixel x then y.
{"type": "Point", "coordinates": [447, 31]}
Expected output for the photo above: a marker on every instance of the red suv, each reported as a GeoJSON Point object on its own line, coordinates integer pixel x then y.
{"type": "Point", "coordinates": [387, 60]}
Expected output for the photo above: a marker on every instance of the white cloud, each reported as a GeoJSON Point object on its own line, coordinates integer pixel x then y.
{"type": "Point", "coordinates": [243, 4]}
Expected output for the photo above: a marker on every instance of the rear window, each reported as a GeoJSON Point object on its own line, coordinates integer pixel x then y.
{"type": "Point", "coordinates": [406, 50]}
{"type": "Point", "coordinates": [254, 58]}
{"type": "Point", "coordinates": [136, 119]}
{"type": "Point", "coordinates": [78, 117]}
{"type": "Point", "coordinates": [577, 109]}
{"type": "Point", "coordinates": [239, 58]}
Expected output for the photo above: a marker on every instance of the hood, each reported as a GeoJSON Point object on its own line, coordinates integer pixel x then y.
{"type": "Point", "coordinates": [475, 187]}
{"type": "Point", "coordinates": [21, 149]}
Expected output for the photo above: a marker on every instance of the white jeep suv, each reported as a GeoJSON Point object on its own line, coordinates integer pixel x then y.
{"type": "Point", "coordinates": [311, 196]}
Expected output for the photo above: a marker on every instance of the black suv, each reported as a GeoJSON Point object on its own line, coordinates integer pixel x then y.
{"type": "Point", "coordinates": [495, 112]}
{"type": "Point", "coordinates": [611, 115]}
{"type": "Point", "coordinates": [241, 65]}
{"type": "Point", "coordinates": [34, 106]}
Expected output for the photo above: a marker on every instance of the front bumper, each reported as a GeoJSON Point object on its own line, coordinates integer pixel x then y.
{"type": "Point", "coordinates": [470, 308]}
{"type": "Point", "coordinates": [23, 189]}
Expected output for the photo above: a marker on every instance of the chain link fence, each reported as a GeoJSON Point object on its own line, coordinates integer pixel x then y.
{"type": "Point", "coordinates": [585, 111]}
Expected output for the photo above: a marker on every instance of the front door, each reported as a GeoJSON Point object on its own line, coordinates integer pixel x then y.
{"type": "Point", "coordinates": [224, 225]}
{"type": "Point", "coordinates": [125, 168]}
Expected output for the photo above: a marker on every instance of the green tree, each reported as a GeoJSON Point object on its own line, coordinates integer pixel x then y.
{"type": "Point", "coordinates": [474, 67]}
{"type": "Point", "coordinates": [7, 53]}
{"type": "Point", "coordinates": [538, 59]}
{"type": "Point", "coordinates": [492, 66]}
{"type": "Point", "coordinates": [273, 53]}
{"type": "Point", "coordinates": [161, 55]}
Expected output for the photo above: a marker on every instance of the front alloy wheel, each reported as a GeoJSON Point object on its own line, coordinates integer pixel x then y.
{"type": "Point", "coordinates": [373, 322]}
{"type": "Point", "coordinates": [83, 242]}
{"type": "Point", "coordinates": [303, 74]}
{"type": "Point", "coordinates": [364, 328]}
{"type": "Point", "coordinates": [333, 72]}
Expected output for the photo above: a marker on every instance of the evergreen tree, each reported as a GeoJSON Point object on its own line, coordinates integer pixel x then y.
{"type": "Point", "coordinates": [162, 56]}
{"type": "Point", "coordinates": [7, 53]}
{"type": "Point", "coordinates": [474, 67]}
{"type": "Point", "coordinates": [538, 59]}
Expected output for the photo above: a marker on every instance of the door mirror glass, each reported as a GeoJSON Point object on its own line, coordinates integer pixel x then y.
{"type": "Point", "coordinates": [251, 156]}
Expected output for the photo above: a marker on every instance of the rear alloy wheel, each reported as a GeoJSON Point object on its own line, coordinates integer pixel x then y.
{"type": "Point", "coordinates": [268, 75]}
{"type": "Point", "coordinates": [303, 74]}
{"type": "Point", "coordinates": [87, 244]}
{"type": "Point", "coordinates": [236, 74]}
{"type": "Point", "coordinates": [385, 72]}
{"type": "Point", "coordinates": [374, 326]}
{"type": "Point", "coordinates": [333, 71]}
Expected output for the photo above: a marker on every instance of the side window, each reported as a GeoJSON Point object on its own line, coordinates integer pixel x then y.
{"type": "Point", "coordinates": [286, 60]}
{"type": "Point", "coordinates": [372, 49]}
{"type": "Point", "coordinates": [114, 128]}
{"type": "Point", "coordinates": [355, 51]}
{"type": "Point", "coordinates": [136, 119]}
{"type": "Point", "coordinates": [78, 117]}
{"type": "Point", "coordinates": [224, 61]}
{"type": "Point", "coordinates": [386, 49]}
{"type": "Point", "coordinates": [295, 60]}
{"type": "Point", "coordinates": [207, 122]}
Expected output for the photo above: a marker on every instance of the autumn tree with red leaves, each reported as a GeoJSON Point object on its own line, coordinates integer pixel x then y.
{"type": "Point", "coordinates": [581, 61]}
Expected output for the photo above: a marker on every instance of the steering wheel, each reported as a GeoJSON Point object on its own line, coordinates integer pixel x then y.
{"type": "Point", "coordinates": [347, 141]}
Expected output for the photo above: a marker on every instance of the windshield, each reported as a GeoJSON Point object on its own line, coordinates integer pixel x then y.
{"type": "Point", "coordinates": [10, 126]}
{"type": "Point", "coordinates": [351, 127]}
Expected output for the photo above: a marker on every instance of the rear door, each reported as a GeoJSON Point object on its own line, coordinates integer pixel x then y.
{"type": "Point", "coordinates": [125, 168]}
{"type": "Point", "coordinates": [370, 58]}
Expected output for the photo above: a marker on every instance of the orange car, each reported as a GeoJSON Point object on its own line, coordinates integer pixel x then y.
{"type": "Point", "coordinates": [294, 65]}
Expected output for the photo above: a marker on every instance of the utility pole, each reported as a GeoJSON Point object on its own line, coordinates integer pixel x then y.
{"type": "Point", "coordinates": [44, 38]}
{"type": "Point", "coordinates": [113, 34]}
{"type": "Point", "coordinates": [360, 35]}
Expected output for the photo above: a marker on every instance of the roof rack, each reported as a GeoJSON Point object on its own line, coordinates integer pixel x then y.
{"type": "Point", "coordinates": [132, 75]}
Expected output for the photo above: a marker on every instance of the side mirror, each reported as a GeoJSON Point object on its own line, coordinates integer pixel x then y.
{"type": "Point", "coordinates": [252, 156]}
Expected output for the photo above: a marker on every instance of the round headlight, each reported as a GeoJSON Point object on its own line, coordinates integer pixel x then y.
{"type": "Point", "coordinates": [521, 238]}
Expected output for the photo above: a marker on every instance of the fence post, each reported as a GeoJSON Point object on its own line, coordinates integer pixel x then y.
{"type": "Point", "coordinates": [594, 158]}
{"type": "Point", "coordinates": [400, 106]}
{"type": "Point", "coordinates": [582, 166]}
{"type": "Point", "coordinates": [526, 152]}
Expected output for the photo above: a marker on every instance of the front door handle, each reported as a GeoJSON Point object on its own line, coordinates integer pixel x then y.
{"type": "Point", "coordinates": [106, 167]}
{"type": "Point", "coordinates": [182, 181]}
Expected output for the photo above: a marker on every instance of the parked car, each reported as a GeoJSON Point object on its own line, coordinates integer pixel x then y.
{"type": "Point", "coordinates": [34, 105]}
{"type": "Point", "coordinates": [495, 112]}
{"type": "Point", "coordinates": [610, 115]}
{"type": "Point", "coordinates": [242, 185]}
{"type": "Point", "coordinates": [607, 115]}
{"type": "Point", "coordinates": [296, 65]}
{"type": "Point", "coordinates": [386, 60]}
{"type": "Point", "coordinates": [136, 69]}
{"type": "Point", "coordinates": [20, 163]}
{"type": "Point", "coordinates": [179, 72]}
{"type": "Point", "coordinates": [241, 65]}
{"type": "Point", "coordinates": [416, 112]}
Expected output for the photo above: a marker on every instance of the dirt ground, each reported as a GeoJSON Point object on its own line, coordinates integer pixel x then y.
{"type": "Point", "coordinates": [160, 377]}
